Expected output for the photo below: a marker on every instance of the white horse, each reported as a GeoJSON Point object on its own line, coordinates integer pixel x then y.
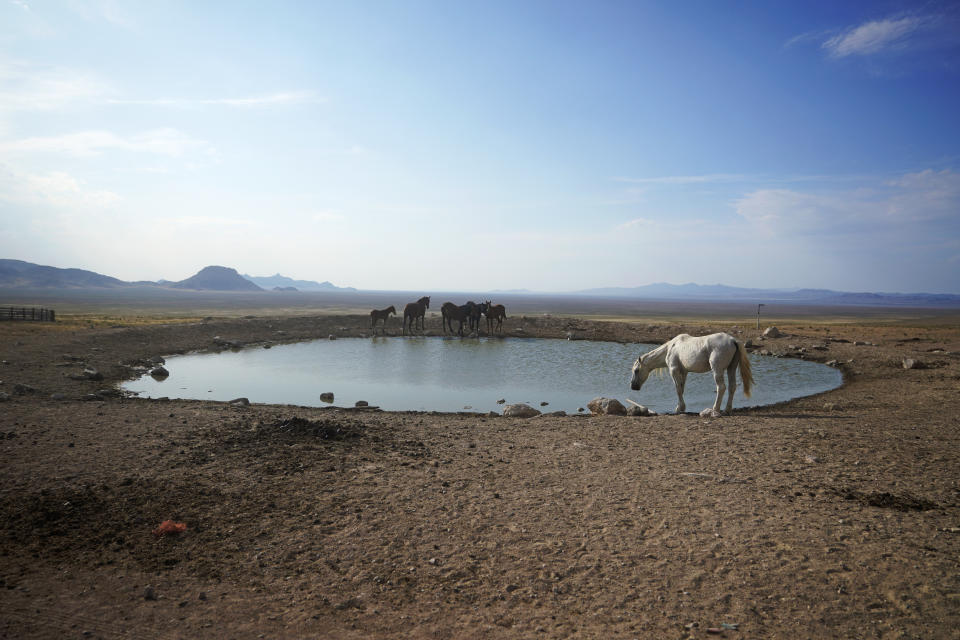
{"type": "Point", "coordinates": [718, 352]}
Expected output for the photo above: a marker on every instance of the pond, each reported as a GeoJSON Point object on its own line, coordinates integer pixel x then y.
{"type": "Point", "coordinates": [444, 374]}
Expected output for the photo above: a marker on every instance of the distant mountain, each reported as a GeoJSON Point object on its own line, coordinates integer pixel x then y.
{"type": "Point", "coordinates": [720, 292]}
{"type": "Point", "coordinates": [277, 280]}
{"type": "Point", "coordinates": [216, 278]}
{"type": "Point", "coordinates": [20, 274]}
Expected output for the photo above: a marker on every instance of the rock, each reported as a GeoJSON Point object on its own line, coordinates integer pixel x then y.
{"type": "Point", "coordinates": [149, 593]}
{"type": "Point", "coordinates": [639, 410]}
{"type": "Point", "coordinates": [607, 406]}
{"type": "Point", "coordinates": [4, 397]}
{"type": "Point", "coordinates": [710, 412]}
{"type": "Point", "coordinates": [23, 389]}
{"type": "Point", "coordinates": [493, 414]}
{"type": "Point", "coordinates": [361, 403]}
{"type": "Point", "coordinates": [331, 337]}
{"type": "Point", "coordinates": [811, 459]}
{"type": "Point", "coordinates": [501, 401]}
{"type": "Point", "coordinates": [543, 404]}
{"type": "Point", "coordinates": [833, 363]}
{"type": "Point", "coordinates": [58, 396]}
{"type": "Point", "coordinates": [90, 373]}
{"type": "Point", "coordinates": [156, 360]}
{"type": "Point", "coordinates": [519, 410]}
{"type": "Point", "coordinates": [240, 401]}
{"type": "Point", "coordinates": [910, 363]}
{"type": "Point", "coordinates": [159, 372]}
{"type": "Point", "coordinates": [556, 414]}
{"type": "Point", "coordinates": [772, 332]}
{"type": "Point", "coordinates": [326, 396]}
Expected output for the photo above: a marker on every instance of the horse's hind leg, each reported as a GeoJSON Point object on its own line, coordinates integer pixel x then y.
{"type": "Point", "coordinates": [731, 385]}
{"type": "Point", "coordinates": [721, 388]}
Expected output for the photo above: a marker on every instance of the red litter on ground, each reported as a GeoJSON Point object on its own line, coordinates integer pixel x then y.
{"type": "Point", "coordinates": [169, 527]}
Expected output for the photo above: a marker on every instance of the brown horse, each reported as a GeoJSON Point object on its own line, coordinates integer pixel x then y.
{"type": "Point", "coordinates": [415, 310]}
{"type": "Point", "coordinates": [378, 315]}
{"type": "Point", "coordinates": [451, 312]}
{"type": "Point", "coordinates": [495, 312]}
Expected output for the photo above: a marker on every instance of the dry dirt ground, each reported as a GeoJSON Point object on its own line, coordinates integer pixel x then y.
{"type": "Point", "coordinates": [835, 516]}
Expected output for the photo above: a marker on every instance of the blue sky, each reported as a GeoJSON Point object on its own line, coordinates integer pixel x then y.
{"type": "Point", "coordinates": [552, 146]}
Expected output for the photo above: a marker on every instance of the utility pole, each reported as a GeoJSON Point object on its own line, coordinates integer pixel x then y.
{"type": "Point", "coordinates": [758, 314]}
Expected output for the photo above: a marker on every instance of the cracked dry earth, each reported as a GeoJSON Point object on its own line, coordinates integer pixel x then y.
{"type": "Point", "coordinates": [831, 516]}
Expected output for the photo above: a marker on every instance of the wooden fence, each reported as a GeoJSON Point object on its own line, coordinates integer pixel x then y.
{"type": "Point", "coordinates": [27, 313]}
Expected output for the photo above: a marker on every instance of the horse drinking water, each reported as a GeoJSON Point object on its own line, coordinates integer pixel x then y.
{"type": "Point", "coordinates": [413, 311]}
{"type": "Point", "coordinates": [717, 352]}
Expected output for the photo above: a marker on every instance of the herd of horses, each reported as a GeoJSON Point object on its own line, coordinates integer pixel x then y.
{"type": "Point", "coordinates": [471, 313]}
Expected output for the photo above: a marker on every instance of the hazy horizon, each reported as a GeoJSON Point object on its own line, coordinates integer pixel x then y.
{"type": "Point", "coordinates": [546, 146]}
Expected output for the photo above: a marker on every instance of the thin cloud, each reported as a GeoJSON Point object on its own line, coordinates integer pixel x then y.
{"type": "Point", "coordinates": [874, 37]}
{"type": "Point", "coordinates": [707, 178]}
{"type": "Point", "coordinates": [167, 142]}
{"type": "Point", "coordinates": [283, 98]}
{"type": "Point", "coordinates": [56, 188]}
{"type": "Point", "coordinates": [28, 87]}
{"type": "Point", "coordinates": [922, 202]}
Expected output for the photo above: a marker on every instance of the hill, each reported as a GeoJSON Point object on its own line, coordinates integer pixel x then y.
{"type": "Point", "coordinates": [215, 278]}
{"type": "Point", "coordinates": [720, 292]}
{"type": "Point", "coordinates": [277, 280]}
{"type": "Point", "coordinates": [18, 274]}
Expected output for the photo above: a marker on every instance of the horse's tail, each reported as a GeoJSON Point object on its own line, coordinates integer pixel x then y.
{"type": "Point", "coordinates": [746, 374]}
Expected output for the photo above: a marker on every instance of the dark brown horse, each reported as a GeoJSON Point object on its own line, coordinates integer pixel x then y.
{"type": "Point", "coordinates": [475, 312]}
{"type": "Point", "coordinates": [413, 311]}
{"type": "Point", "coordinates": [495, 312]}
{"type": "Point", "coordinates": [378, 315]}
{"type": "Point", "coordinates": [451, 312]}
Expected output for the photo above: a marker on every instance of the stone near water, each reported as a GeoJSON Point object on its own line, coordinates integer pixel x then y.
{"type": "Point", "coordinates": [240, 401]}
{"type": "Point", "coordinates": [326, 396]}
{"type": "Point", "coordinates": [519, 410]}
{"type": "Point", "coordinates": [772, 332]}
{"type": "Point", "coordinates": [607, 406]}
{"type": "Point", "coordinates": [638, 410]}
{"type": "Point", "coordinates": [361, 403]}
{"type": "Point", "coordinates": [4, 397]}
{"type": "Point", "coordinates": [159, 372]}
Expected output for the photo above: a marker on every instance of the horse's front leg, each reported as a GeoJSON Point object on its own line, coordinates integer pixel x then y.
{"type": "Point", "coordinates": [679, 376]}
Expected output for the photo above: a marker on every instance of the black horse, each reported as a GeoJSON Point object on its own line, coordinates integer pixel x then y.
{"type": "Point", "coordinates": [476, 310]}
{"type": "Point", "coordinates": [451, 312]}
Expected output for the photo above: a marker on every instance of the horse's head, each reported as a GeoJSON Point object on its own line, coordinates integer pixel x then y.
{"type": "Point", "coordinates": [640, 373]}
{"type": "Point", "coordinates": [426, 301]}
{"type": "Point", "coordinates": [391, 309]}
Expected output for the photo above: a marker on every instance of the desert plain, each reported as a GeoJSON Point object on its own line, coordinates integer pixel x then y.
{"type": "Point", "coordinates": [831, 516]}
